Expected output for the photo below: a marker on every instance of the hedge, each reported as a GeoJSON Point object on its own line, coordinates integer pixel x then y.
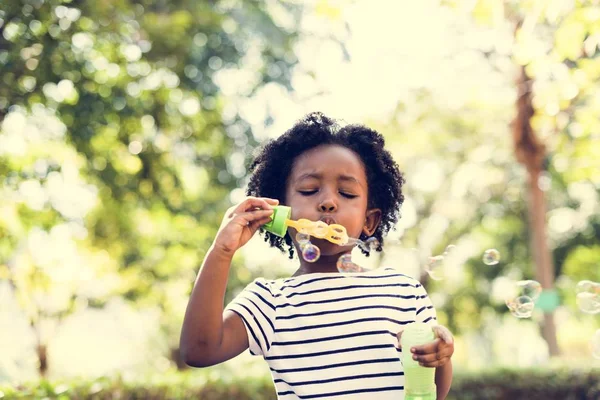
{"type": "Point", "coordinates": [527, 384]}
{"type": "Point", "coordinates": [500, 384]}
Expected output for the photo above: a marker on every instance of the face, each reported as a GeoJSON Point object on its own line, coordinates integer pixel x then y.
{"type": "Point", "coordinates": [329, 183]}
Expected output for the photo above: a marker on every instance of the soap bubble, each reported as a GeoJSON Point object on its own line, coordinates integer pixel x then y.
{"type": "Point", "coordinates": [520, 297]}
{"type": "Point", "coordinates": [588, 303]}
{"type": "Point", "coordinates": [491, 257]}
{"type": "Point", "coordinates": [521, 307]}
{"type": "Point", "coordinates": [345, 264]}
{"type": "Point", "coordinates": [302, 238]}
{"type": "Point", "coordinates": [371, 244]}
{"type": "Point", "coordinates": [588, 297]}
{"type": "Point", "coordinates": [450, 248]}
{"type": "Point", "coordinates": [596, 345]}
{"type": "Point", "coordinates": [529, 288]}
{"type": "Point", "coordinates": [310, 252]}
{"type": "Point", "coordinates": [585, 286]}
{"type": "Point", "coordinates": [354, 242]}
{"type": "Point", "coordinates": [435, 268]}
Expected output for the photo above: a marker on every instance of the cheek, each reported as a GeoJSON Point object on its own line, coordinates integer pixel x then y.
{"type": "Point", "coordinates": [355, 227]}
{"type": "Point", "coordinates": [287, 196]}
{"type": "Point", "coordinates": [298, 205]}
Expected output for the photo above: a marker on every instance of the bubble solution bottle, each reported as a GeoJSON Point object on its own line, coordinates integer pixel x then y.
{"type": "Point", "coordinates": [419, 382]}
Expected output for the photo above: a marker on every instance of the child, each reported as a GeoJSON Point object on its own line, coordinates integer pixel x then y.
{"type": "Point", "coordinates": [324, 334]}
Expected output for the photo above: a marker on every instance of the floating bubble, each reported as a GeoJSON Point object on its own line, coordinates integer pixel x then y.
{"type": "Point", "coordinates": [343, 261]}
{"type": "Point", "coordinates": [435, 268]}
{"type": "Point", "coordinates": [588, 303]}
{"type": "Point", "coordinates": [450, 248]}
{"type": "Point", "coordinates": [520, 298]}
{"type": "Point", "coordinates": [587, 286]}
{"type": "Point", "coordinates": [491, 257]}
{"type": "Point", "coordinates": [596, 345]}
{"type": "Point", "coordinates": [371, 244]}
{"type": "Point", "coordinates": [302, 238]}
{"type": "Point", "coordinates": [310, 252]}
{"type": "Point", "coordinates": [354, 242]}
{"type": "Point", "coordinates": [345, 264]}
{"type": "Point", "coordinates": [521, 307]}
{"type": "Point", "coordinates": [588, 297]}
{"type": "Point", "coordinates": [529, 288]}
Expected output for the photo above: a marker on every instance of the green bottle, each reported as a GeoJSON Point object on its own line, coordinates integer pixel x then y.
{"type": "Point", "coordinates": [277, 225]}
{"type": "Point", "coordinates": [419, 382]}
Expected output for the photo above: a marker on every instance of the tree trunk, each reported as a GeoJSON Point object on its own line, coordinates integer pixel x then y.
{"type": "Point", "coordinates": [531, 153]}
{"type": "Point", "coordinates": [544, 268]}
{"type": "Point", "coordinates": [42, 352]}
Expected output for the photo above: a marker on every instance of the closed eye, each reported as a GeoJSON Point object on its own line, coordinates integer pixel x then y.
{"type": "Point", "coordinates": [311, 192]}
{"type": "Point", "coordinates": [307, 192]}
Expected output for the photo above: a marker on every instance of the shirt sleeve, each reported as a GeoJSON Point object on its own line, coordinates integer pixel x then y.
{"type": "Point", "coordinates": [425, 312]}
{"type": "Point", "coordinates": [256, 306]}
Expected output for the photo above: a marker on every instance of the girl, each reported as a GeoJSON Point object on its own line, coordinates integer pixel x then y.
{"type": "Point", "coordinates": [323, 334]}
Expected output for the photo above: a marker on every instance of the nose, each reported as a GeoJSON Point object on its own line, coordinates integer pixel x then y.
{"type": "Point", "coordinates": [327, 205]}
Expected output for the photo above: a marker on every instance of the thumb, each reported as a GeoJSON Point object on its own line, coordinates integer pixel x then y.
{"type": "Point", "coordinates": [443, 333]}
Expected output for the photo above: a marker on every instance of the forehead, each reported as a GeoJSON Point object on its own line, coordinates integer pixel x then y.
{"type": "Point", "coordinates": [328, 160]}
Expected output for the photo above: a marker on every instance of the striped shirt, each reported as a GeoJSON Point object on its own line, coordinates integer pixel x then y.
{"type": "Point", "coordinates": [333, 336]}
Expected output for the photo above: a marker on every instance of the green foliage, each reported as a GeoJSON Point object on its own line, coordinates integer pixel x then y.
{"type": "Point", "coordinates": [122, 99]}
{"type": "Point", "coordinates": [557, 384]}
{"type": "Point", "coordinates": [180, 387]}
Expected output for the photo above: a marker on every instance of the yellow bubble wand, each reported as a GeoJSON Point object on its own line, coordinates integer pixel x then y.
{"type": "Point", "coordinates": [280, 221]}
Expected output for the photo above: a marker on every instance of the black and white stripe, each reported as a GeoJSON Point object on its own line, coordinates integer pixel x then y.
{"type": "Point", "coordinates": [333, 336]}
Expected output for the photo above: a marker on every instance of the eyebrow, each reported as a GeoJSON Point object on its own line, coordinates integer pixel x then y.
{"type": "Point", "coordinates": [346, 178]}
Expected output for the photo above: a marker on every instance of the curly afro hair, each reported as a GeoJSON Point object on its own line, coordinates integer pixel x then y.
{"type": "Point", "coordinates": [273, 164]}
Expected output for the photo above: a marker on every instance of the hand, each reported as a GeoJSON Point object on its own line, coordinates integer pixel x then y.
{"type": "Point", "coordinates": [433, 354]}
{"type": "Point", "coordinates": [242, 221]}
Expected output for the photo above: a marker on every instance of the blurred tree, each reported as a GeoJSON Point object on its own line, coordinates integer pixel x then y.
{"type": "Point", "coordinates": [463, 183]}
{"type": "Point", "coordinates": [564, 29]}
{"type": "Point", "coordinates": [122, 100]}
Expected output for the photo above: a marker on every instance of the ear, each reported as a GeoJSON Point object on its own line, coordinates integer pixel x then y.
{"type": "Point", "coordinates": [372, 220]}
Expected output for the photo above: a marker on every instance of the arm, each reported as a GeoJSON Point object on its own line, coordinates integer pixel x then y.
{"type": "Point", "coordinates": [209, 336]}
{"type": "Point", "coordinates": [443, 380]}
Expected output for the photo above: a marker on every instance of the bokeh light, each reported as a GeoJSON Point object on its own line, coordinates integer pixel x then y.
{"type": "Point", "coordinates": [126, 132]}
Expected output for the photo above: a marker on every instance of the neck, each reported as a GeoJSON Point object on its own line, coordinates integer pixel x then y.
{"type": "Point", "coordinates": [325, 263]}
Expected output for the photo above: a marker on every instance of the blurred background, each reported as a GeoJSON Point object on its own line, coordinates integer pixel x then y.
{"type": "Point", "coordinates": [126, 128]}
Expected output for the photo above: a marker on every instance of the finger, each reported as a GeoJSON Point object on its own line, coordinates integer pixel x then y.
{"type": "Point", "coordinates": [271, 201]}
{"type": "Point", "coordinates": [427, 358]}
{"type": "Point", "coordinates": [254, 225]}
{"type": "Point", "coordinates": [251, 203]}
{"type": "Point", "coordinates": [426, 348]}
{"type": "Point", "coordinates": [261, 203]}
{"type": "Point", "coordinates": [399, 336]}
{"type": "Point", "coordinates": [248, 217]}
{"type": "Point", "coordinates": [432, 357]}
{"type": "Point", "coordinates": [435, 364]}
{"type": "Point", "coordinates": [443, 333]}
{"type": "Point", "coordinates": [254, 215]}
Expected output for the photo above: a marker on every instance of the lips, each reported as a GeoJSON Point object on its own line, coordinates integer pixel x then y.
{"type": "Point", "coordinates": [328, 220]}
